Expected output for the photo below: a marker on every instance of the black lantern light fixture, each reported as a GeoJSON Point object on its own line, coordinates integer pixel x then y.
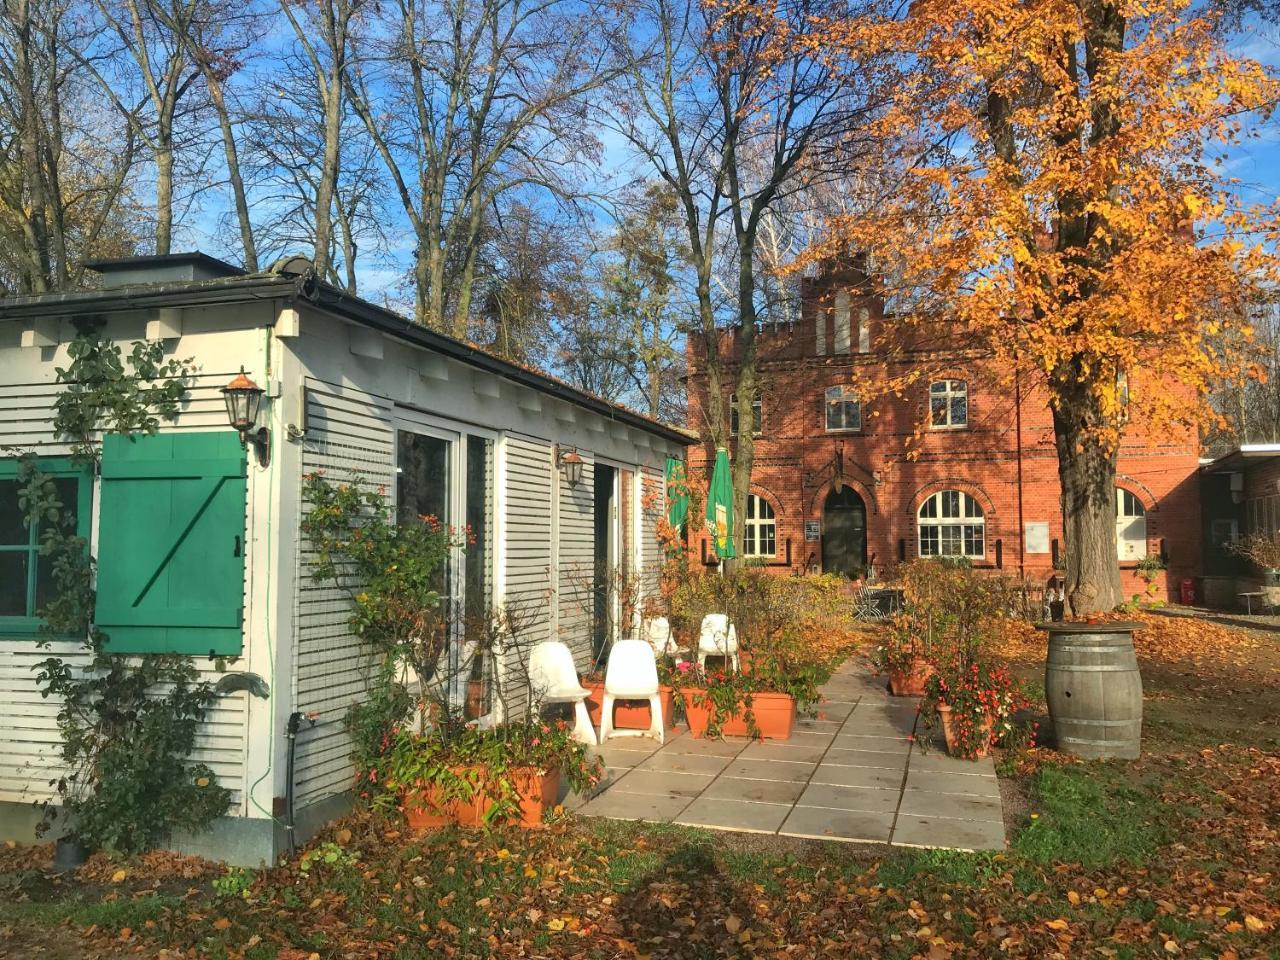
{"type": "Point", "coordinates": [244, 399]}
{"type": "Point", "coordinates": [569, 463]}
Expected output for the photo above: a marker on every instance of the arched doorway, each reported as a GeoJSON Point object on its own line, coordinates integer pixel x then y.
{"type": "Point", "coordinates": [844, 533]}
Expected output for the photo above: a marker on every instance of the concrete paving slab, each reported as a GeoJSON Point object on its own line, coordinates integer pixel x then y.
{"type": "Point", "coordinates": [791, 753]}
{"type": "Point", "coordinates": [631, 806]}
{"type": "Point", "coordinates": [662, 783]}
{"type": "Point", "coordinates": [817, 724]}
{"type": "Point", "coordinates": [835, 709]}
{"type": "Point", "coordinates": [950, 834]}
{"type": "Point", "coordinates": [769, 770]}
{"type": "Point", "coordinates": [809, 738]}
{"type": "Point", "coordinates": [759, 791]}
{"type": "Point", "coordinates": [940, 760]}
{"type": "Point", "coordinates": [706, 748]}
{"type": "Point", "coordinates": [945, 781]}
{"type": "Point", "coordinates": [952, 806]}
{"type": "Point", "coordinates": [739, 815]}
{"type": "Point", "coordinates": [889, 759]}
{"type": "Point", "coordinates": [823, 824]}
{"type": "Point", "coordinates": [878, 726]}
{"type": "Point", "coordinates": [630, 744]}
{"type": "Point", "coordinates": [839, 776]}
{"type": "Point", "coordinates": [684, 763]}
{"type": "Point", "coordinates": [863, 799]}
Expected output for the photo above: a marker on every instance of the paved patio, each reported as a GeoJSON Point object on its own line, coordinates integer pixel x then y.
{"type": "Point", "coordinates": [852, 774]}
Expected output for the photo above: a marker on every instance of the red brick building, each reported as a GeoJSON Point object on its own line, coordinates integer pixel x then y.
{"type": "Point", "coordinates": [835, 486]}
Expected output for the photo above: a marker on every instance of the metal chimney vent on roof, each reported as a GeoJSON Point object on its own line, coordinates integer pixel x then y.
{"type": "Point", "coordinates": [169, 268]}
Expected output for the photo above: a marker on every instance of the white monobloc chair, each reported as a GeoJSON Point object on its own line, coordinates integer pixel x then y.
{"type": "Point", "coordinates": [632, 674]}
{"type": "Point", "coordinates": [554, 679]}
{"type": "Point", "coordinates": [717, 638]}
{"type": "Point", "coordinates": [658, 633]}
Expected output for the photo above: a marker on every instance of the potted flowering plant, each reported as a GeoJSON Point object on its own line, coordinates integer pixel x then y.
{"type": "Point", "coordinates": [757, 703]}
{"type": "Point", "coordinates": [478, 776]}
{"type": "Point", "coordinates": [974, 705]}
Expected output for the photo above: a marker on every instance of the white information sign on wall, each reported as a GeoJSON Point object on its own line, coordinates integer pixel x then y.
{"type": "Point", "coordinates": [1037, 538]}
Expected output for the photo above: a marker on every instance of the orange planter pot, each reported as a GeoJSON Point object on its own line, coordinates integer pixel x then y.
{"type": "Point", "coordinates": [628, 715]}
{"type": "Point", "coordinates": [910, 681]}
{"type": "Point", "coordinates": [775, 713]}
{"type": "Point", "coordinates": [537, 791]}
{"type": "Point", "coordinates": [951, 734]}
{"type": "Point", "coordinates": [425, 810]}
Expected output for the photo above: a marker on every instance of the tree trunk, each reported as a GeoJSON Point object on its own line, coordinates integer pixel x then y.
{"type": "Point", "coordinates": [164, 196]}
{"type": "Point", "coordinates": [1087, 472]}
{"type": "Point", "coordinates": [34, 224]}
{"type": "Point", "coordinates": [231, 152]}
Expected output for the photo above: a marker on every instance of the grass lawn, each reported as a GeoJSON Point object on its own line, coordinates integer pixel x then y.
{"type": "Point", "coordinates": [1177, 854]}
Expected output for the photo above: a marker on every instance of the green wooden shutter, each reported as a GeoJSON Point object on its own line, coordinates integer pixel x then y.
{"type": "Point", "coordinates": [171, 543]}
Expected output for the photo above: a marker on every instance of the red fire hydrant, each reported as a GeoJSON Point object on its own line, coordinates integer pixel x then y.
{"type": "Point", "coordinates": [1187, 592]}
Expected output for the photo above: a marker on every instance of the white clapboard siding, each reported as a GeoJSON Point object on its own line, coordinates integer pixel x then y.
{"type": "Point", "coordinates": [349, 436]}
{"type": "Point", "coordinates": [29, 752]}
{"type": "Point", "coordinates": [31, 741]}
{"type": "Point", "coordinates": [26, 412]}
{"type": "Point", "coordinates": [653, 506]}
{"type": "Point", "coordinates": [528, 560]}
{"type": "Point", "coordinates": [576, 558]}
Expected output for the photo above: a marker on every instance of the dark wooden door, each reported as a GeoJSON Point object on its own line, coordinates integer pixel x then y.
{"type": "Point", "coordinates": [844, 533]}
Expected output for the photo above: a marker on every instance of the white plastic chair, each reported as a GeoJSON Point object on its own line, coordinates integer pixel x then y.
{"type": "Point", "coordinates": [554, 679]}
{"type": "Point", "coordinates": [658, 633]}
{"type": "Point", "coordinates": [718, 638]}
{"type": "Point", "coordinates": [632, 674]}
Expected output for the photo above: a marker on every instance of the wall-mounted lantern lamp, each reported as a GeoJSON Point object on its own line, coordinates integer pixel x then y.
{"type": "Point", "coordinates": [244, 399]}
{"type": "Point", "coordinates": [569, 463]}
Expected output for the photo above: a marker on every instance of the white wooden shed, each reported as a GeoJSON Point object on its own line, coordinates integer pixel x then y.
{"type": "Point", "coordinates": [353, 390]}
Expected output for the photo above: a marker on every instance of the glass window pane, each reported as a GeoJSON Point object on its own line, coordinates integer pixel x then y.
{"type": "Point", "coordinates": [13, 529]}
{"type": "Point", "coordinates": [66, 489]}
{"type": "Point", "coordinates": [939, 407]}
{"type": "Point", "coordinates": [422, 477]}
{"type": "Point", "coordinates": [951, 544]}
{"type": "Point", "coordinates": [768, 542]}
{"type": "Point", "coordinates": [929, 508]}
{"type": "Point", "coordinates": [951, 503]}
{"type": "Point", "coordinates": [928, 540]}
{"type": "Point", "coordinates": [14, 565]}
{"type": "Point", "coordinates": [959, 410]}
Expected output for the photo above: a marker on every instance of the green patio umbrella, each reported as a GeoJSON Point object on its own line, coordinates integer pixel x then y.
{"type": "Point", "coordinates": [720, 507]}
{"type": "Point", "coordinates": [677, 494]}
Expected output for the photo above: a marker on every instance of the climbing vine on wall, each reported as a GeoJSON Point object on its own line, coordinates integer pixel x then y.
{"type": "Point", "coordinates": [128, 724]}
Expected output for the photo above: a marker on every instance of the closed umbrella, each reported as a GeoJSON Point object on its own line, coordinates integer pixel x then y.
{"type": "Point", "coordinates": [677, 494]}
{"type": "Point", "coordinates": [720, 507]}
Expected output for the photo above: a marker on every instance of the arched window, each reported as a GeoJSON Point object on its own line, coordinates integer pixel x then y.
{"type": "Point", "coordinates": [843, 409]}
{"type": "Point", "coordinates": [952, 525]}
{"type": "Point", "coordinates": [760, 532]}
{"type": "Point", "coordinates": [1131, 526]}
{"type": "Point", "coordinates": [948, 404]}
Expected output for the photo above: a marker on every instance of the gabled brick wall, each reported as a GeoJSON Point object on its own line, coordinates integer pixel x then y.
{"type": "Point", "coordinates": [894, 468]}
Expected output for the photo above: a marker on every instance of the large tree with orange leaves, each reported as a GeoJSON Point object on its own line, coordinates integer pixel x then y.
{"type": "Point", "coordinates": [1059, 210]}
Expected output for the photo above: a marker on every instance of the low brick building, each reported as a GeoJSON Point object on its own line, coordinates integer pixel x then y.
{"type": "Point", "coordinates": [846, 486]}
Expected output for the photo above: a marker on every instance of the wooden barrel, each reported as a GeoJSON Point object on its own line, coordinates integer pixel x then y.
{"type": "Point", "coordinates": [1094, 689]}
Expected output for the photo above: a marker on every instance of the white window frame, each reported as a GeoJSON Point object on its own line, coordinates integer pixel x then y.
{"type": "Point", "coordinates": [951, 518]}
{"type": "Point", "coordinates": [757, 529]}
{"type": "Point", "coordinates": [951, 391]}
{"type": "Point", "coordinates": [839, 398]}
{"type": "Point", "coordinates": [757, 415]}
{"type": "Point", "coordinates": [1131, 520]}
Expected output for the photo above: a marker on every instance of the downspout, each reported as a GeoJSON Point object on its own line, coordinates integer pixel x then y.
{"type": "Point", "coordinates": [1017, 427]}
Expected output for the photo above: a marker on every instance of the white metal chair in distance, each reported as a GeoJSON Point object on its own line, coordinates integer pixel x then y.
{"type": "Point", "coordinates": [718, 638]}
{"type": "Point", "coordinates": [554, 679]}
{"type": "Point", "coordinates": [632, 674]}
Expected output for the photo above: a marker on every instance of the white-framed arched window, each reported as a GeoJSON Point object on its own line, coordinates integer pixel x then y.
{"type": "Point", "coordinates": [760, 531]}
{"type": "Point", "coordinates": [952, 524]}
{"type": "Point", "coordinates": [948, 404]}
{"type": "Point", "coordinates": [1131, 526]}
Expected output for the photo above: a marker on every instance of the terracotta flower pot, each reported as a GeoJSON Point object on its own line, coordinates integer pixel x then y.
{"type": "Point", "coordinates": [537, 791]}
{"type": "Point", "coordinates": [775, 713]}
{"type": "Point", "coordinates": [910, 680]}
{"type": "Point", "coordinates": [951, 733]}
{"type": "Point", "coordinates": [630, 714]}
{"type": "Point", "coordinates": [425, 809]}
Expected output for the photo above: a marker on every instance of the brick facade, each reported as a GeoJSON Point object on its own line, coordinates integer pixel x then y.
{"type": "Point", "coordinates": [893, 467]}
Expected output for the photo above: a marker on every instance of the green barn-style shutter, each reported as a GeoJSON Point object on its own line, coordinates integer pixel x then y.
{"type": "Point", "coordinates": [171, 543]}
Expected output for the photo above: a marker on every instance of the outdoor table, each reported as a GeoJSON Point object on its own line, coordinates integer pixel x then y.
{"type": "Point", "coordinates": [1248, 599]}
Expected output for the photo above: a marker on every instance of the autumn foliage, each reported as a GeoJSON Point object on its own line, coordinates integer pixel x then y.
{"type": "Point", "coordinates": [1058, 211]}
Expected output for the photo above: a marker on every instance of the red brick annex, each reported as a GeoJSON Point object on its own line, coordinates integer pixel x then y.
{"type": "Point", "coordinates": [834, 488]}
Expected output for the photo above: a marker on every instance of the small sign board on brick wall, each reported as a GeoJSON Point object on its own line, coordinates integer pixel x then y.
{"type": "Point", "coordinates": [812, 530]}
{"type": "Point", "coordinates": [1037, 538]}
